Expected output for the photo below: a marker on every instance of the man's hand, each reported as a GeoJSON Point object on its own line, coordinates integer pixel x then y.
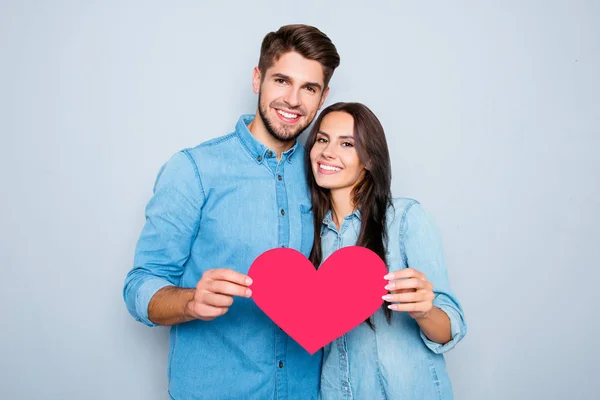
{"type": "Point", "coordinates": [214, 293]}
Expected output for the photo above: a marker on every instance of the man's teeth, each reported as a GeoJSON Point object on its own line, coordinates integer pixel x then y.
{"type": "Point", "coordinates": [329, 168]}
{"type": "Point", "coordinates": [287, 115]}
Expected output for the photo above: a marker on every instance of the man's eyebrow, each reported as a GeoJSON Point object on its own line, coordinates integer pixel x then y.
{"type": "Point", "coordinates": [288, 78]}
{"type": "Point", "coordinates": [339, 137]}
{"type": "Point", "coordinates": [314, 84]}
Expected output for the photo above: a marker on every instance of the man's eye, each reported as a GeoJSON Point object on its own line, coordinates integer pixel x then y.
{"type": "Point", "coordinates": [311, 89]}
{"type": "Point", "coordinates": [279, 80]}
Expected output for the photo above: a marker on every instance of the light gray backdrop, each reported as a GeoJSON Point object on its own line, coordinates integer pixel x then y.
{"type": "Point", "coordinates": [492, 112]}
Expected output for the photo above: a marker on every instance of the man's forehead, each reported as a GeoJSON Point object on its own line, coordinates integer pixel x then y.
{"type": "Point", "coordinates": [296, 67]}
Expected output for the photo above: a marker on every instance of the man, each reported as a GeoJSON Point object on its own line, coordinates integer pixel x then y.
{"type": "Point", "coordinates": [217, 207]}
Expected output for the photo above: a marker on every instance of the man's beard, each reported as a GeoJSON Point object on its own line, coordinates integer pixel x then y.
{"type": "Point", "coordinates": [283, 135]}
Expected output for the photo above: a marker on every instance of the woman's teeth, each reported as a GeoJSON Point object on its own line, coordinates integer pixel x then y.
{"type": "Point", "coordinates": [329, 168]}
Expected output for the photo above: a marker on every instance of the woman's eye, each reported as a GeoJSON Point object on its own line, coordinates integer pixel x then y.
{"type": "Point", "coordinates": [347, 144]}
{"type": "Point", "coordinates": [321, 140]}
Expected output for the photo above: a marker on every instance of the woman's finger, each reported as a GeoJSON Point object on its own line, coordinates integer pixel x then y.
{"type": "Point", "coordinates": [411, 283]}
{"type": "Point", "coordinates": [404, 274]}
{"type": "Point", "coordinates": [411, 297]}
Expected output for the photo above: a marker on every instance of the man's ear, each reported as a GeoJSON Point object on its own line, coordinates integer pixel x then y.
{"type": "Point", "coordinates": [323, 97]}
{"type": "Point", "coordinates": [256, 77]}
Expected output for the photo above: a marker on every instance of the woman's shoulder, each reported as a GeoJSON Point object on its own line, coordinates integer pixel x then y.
{"type": "Point", "coordinates": [400, 206]}
{"type": "Point", "coordinates": [403, 210]}
{"type": "Point", "coordinates": [401, 203]}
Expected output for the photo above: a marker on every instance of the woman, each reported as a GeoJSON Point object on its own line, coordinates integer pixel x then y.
{"type": "Point", "coordinates": [397, 352]}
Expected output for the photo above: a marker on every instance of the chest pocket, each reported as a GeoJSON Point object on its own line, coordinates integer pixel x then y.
{"type": "Point", "coordinates": [308, 229]}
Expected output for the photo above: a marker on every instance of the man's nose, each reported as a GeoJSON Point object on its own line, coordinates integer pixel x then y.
{"type": "Point", "coordinates": [292, 98]}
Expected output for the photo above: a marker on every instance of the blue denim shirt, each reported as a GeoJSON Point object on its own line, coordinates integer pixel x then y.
{"type": "Point", "coordinates": [396, 361]}
{"type": "Point", "coordinates": [220, 205]}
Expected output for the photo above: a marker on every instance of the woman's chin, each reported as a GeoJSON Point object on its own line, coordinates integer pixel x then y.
{"type": "Point", "coordinates": [323, 185]}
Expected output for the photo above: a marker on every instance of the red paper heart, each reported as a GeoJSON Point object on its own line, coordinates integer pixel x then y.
{"type": "Point", "coordinates": [316, 307]}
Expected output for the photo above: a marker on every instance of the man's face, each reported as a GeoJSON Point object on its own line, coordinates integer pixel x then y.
{"type": "Point", "coordinates": [289, 95]}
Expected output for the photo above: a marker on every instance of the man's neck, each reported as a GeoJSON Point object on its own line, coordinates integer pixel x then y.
{"type": "Point", "coordinates": [258, 129]}
{"type": "Point", "coordinates": [341, 204]}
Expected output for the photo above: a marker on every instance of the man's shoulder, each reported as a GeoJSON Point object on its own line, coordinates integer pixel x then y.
{"type": "Point", "coordinates": [213, 150]}
{"type": "Point", "coordinates": [213, 144]}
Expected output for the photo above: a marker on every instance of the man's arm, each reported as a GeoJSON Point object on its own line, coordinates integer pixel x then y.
{"type": "Point", "coordinates": [168, 306]}
{"type": "Point", "coordinates": [172, 219]}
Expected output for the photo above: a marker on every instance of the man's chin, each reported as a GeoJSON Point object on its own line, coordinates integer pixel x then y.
{"type": "Point", "coordinates": [287, 136]}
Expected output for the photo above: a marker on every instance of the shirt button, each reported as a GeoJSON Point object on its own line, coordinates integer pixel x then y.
{"type": "Point", "coordinates": [343, 357]}
{"type": "Point", "coordinates": [282, 212]}
{"type": "Point", "coordinates": [280, 364]}
{"type": "Point", "coordinates": [259, 158]}
{"type": "Point", "coordinates": [270, 154]}
{"type": "Point", "coordinates": [279, 177]}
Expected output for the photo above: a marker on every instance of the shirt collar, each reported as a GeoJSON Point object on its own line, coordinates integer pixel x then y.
{"type": "Point", "coordinates": [328, 220]}
{"type": "Point", "coordinates": [256, 149]}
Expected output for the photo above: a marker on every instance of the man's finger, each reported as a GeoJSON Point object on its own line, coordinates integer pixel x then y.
{"type": "Point", "coordinates": [229, 275]}
{"type": "Point", "coordinates": [207, 311]}
{"type": "Point", "coordinates": [216, 300]}
{"type": "Point", "coordinates": [228, 288]}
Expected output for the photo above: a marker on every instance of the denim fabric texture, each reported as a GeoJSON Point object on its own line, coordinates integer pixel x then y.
{"type": "Point", "coordinates": [396, 361]}
{"type": "Point", "coordinates": [220, 205]}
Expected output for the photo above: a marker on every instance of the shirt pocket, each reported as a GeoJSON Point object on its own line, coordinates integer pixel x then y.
{"type": "Point", "coordinates": [308, 229]}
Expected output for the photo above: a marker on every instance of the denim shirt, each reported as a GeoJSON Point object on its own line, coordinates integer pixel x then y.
{"type": "Point", "coordinates": [396, 361]}
{"type": "Point", "coordinates": [220, 205]}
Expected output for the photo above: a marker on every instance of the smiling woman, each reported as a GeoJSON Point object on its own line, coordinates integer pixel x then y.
{"type": "Point", "coordinates": [398, 350]}
{"type": "Point", "coordinates": [334, 160]}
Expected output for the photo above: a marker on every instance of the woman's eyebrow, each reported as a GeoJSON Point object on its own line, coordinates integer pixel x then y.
{"type": "Point", "coordinates": [339, 137]}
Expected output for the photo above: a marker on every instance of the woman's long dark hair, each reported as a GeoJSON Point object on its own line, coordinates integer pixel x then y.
{"type": "Point", "coordinates": [371, 195]}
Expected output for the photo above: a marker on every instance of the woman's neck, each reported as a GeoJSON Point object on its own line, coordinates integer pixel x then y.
{"type": "Point", "coordinates": [341, 205]}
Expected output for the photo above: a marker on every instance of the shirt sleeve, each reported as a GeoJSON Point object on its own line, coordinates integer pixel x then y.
{"type": "Point", "coordinates": [423, 251]}
{"type": "Point", "coordinates": [172, 218]}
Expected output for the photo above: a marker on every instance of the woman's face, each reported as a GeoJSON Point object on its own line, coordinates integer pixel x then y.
{"type": "Point", "coordinates": [334, 160]}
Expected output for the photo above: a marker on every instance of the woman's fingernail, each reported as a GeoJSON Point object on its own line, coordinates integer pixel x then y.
{"type": "Point", "coordinates": [248, 292]}
{"type": "Point", "coordinates": [388, 276]}
{"type": "Point", "coordinates": [392, 306]}
{"type": "Point", "coordinates": [387, 297]}
{"type": "Point", "coordinates": [390, 286]}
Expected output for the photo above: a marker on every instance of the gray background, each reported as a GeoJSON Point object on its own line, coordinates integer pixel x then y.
{"type": "Point", "coordinates": [492, 112]}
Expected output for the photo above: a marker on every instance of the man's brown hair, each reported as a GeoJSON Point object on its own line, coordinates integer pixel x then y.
{"type": "Point", "coordinates": [307, 41]}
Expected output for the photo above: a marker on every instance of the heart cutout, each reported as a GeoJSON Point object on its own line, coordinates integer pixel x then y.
{"type": "Point", "coordinates": [313, 306]}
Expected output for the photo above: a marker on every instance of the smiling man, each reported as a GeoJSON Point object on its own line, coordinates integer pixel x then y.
{"type": "Point", "coordinates": [215, 208]}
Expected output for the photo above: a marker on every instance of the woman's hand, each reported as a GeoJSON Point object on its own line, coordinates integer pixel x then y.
{"type": "Point", "coordinates": [410, 291]}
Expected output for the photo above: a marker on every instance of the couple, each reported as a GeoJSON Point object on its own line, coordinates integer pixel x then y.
{"type": "Point", "coordinates": [218, 206]}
